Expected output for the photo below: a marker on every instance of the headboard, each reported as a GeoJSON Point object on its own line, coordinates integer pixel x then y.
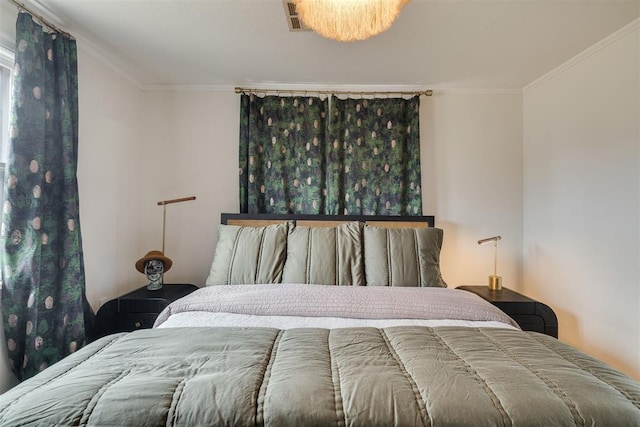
{"type": "Point", "coordinates": [259, 220]}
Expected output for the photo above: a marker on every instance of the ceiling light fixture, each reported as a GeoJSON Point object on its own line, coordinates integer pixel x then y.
{"type": "Point", "coordinates": [349, 20]}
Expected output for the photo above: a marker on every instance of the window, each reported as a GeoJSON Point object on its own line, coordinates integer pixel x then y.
{"type": "Point", "coordinates": [6, 64]}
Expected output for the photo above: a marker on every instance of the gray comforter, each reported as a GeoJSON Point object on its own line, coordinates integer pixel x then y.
{"type": "Point", "coordinates": [402, 376]}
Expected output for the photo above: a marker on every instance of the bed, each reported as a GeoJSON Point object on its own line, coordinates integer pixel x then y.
{"type": "Point", "coordinates": [308, 321]}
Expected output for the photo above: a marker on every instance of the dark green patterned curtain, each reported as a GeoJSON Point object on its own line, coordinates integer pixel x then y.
{"type": "Point", "coordinates": [374, 157]}
{"type": "Point", "coordinates": [282, 149]}
{"type": "Point", "coordinates": [364, 160]}
{"type": "Point", "coordinates": [43, 293]}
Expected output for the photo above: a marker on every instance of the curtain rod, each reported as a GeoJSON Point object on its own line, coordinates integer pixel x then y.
{"type": "Point", "coordinates": [427, 92]}
{"type": "Point", "coordinates": [41, 19]}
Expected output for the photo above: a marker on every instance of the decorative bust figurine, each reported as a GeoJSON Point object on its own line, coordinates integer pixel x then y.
{"type": "Point", "coordinates": [153, 265]}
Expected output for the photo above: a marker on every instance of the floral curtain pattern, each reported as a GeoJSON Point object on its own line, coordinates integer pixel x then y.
{"type": "Point", "coordinates": [282, 154]}
{"type": "Point", "coordinates": [374, 157]}
{"type": "Point", "coordinates": [364, 159]}
{"type": "Point", "coordinates": [43, 294]}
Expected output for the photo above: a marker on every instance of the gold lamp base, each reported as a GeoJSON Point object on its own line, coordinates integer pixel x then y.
{"type": "Point", "coordinates": [495, 283]}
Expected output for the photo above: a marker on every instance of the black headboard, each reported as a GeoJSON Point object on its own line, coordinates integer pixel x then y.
{"type": "Point", "coordinates": [320, 220]}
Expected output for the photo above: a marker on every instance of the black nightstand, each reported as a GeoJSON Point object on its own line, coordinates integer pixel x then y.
{"type": "Point", "coordinates": [137, 309]}
{"type": "Point", "coordinates": [530, 314]}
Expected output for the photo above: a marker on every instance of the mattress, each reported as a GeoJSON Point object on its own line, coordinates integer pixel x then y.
{"type": "Point", "coordinates": [465, 374]}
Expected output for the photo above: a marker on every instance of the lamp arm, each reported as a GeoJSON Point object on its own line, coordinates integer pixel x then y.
{"type": "Point", "coordinates": [495, 257]}
{"type": "Point", "coordinates": [168, 202]}
{"type": "Point", "coordinates": [164, 204]}
{"type": "Point", "coordinates": [489, 239]}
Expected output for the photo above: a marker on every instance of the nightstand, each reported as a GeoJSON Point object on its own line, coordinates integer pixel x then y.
{"type": "Point", "coordinates": [530, 314]}
{"type": "Point", "coordinates": [137, 309]}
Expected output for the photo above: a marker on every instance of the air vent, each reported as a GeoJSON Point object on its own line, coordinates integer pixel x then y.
{"type": "Point", "coordinates": [293, 19]}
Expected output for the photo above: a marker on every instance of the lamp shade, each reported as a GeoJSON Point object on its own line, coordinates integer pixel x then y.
{"type": "Point", "coordinates": [349, 20]}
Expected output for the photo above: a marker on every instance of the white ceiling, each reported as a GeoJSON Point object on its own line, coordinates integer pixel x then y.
{"type": "Point", "coordinates": [461, 44]}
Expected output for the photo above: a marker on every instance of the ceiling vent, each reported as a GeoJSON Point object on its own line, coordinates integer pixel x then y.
{"type": "Point", "coordinates": [293, 19]}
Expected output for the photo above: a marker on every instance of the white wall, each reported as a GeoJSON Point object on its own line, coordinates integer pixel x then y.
{"type": "Point", "coordinates": [110, 135]}
{"type": "Point", "coordinates": [582, 203]}
{"type": "Point", "coordinates": [472, 180]}
{"type": "Point", "coordinates": [191, 148]}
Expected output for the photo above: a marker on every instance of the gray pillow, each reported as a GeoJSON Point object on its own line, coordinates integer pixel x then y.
{"type": "Point", "coordinates": [325, 255]}
{"type": "Point", "coordinates": [248, 255]}
{"type": "Point", "coordinates": [403, 256]}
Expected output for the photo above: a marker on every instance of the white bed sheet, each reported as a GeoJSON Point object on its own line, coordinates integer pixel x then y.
{"type": "Point", "coordinates": [207, 319]}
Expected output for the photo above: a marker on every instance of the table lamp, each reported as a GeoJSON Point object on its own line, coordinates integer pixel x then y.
{"type": "Point", "coordinates": [495, 281]}
{"type": "Point", "coordinates": [154, 264]}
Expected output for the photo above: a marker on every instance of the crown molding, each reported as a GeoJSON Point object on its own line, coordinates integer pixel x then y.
{"type": "Point", "coordinates": [123, 68]}
{"type": "Point", "coordinates": [621, 33]}
{"type": "Point", "coordinates": [187, 88]}
{"type": "Point", "coordinates": [41, 9]}
{"type": "Point", "coordinates": [106, 59]}
{"type": "Point", "coordinates": [327, 87]}
{"type": "Point", "coordinates": [85, 42]}
{"type": "Point", "coordinates": [127, 70]}
{"type": "Point", "coordinates": [297, 87]}
{"type": "Point", "coordinates": [475, 91]}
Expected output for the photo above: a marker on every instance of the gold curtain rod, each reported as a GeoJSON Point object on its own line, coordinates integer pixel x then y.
{"type": "Point", "coordinates": [41, 19]}
{"type": "Point", "coordinates": [427, 92]}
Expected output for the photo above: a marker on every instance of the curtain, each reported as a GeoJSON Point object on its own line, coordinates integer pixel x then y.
{"type": "Point", "coordinates": [364, 160]}
{"type": "Point", "coordinates": [44, 304]}
{"type": "Point", "coordinates": [374, 157]}
{"type": "Point", "coordinates": [282, 154]}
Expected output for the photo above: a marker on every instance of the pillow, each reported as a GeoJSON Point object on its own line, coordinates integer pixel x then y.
{"type": "Point", "coordinates": [325, 255]}
{"type": "Point", "coordinates": [248, 255]}
{"type": "Point", "coordinates": [403, 256]}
